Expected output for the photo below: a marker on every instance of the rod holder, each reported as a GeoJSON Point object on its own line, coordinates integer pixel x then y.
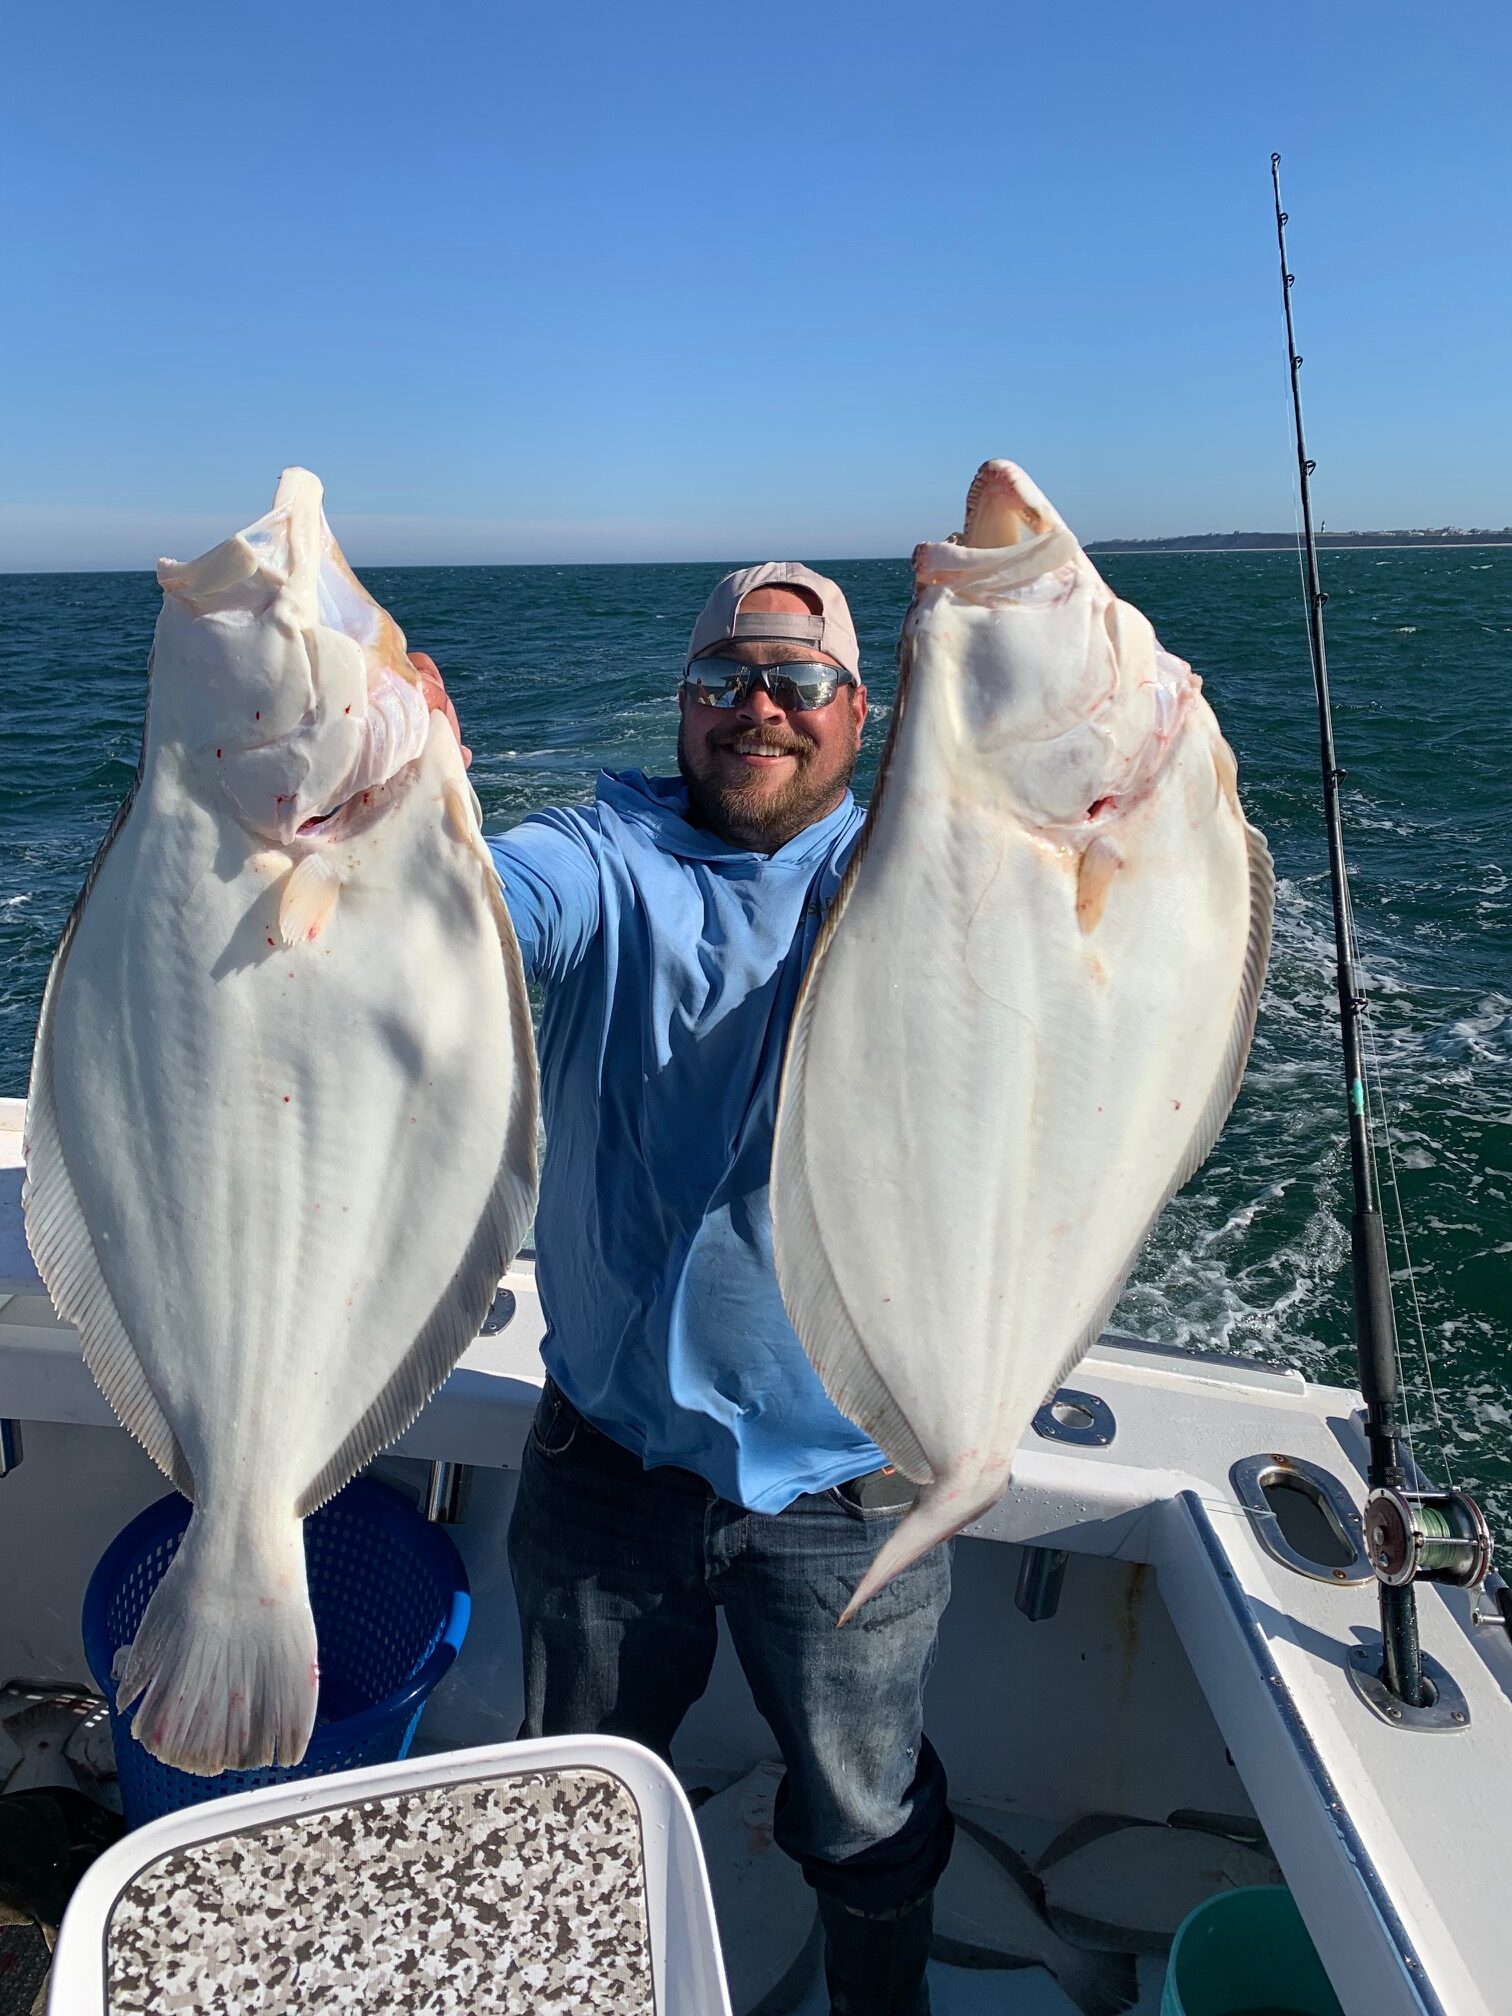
{"type": "Point", "coordinates": [446, 1493]}
{"type": "Point", "coordinates": [1041, 1573]}
{"type": "Point", "coordinates": [11, 1450]}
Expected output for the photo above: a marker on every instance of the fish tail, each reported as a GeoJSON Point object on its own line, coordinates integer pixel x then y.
{"type": "Point", "coordinates": [1100, 1984]}
{"type": "Point", "coordinates": [952, 1501]}
{"type": "Point", "coordinates": [224, 1661]}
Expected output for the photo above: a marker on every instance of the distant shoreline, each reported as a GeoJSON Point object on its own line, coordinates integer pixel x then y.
{"type": "Point", "coordinates": [1196, 542]}
{"type": "Point", "coordinates": [1281, 542]}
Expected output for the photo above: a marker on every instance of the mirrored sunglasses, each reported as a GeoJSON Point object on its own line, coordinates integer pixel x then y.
{"type": "Point", "coordinates": [797, 687]}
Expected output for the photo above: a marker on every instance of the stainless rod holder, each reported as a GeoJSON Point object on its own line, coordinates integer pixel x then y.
{"type": "Point", "coordinates": [446, 1492]}
{"type": "Point", "coordinates": [1041, 1573]}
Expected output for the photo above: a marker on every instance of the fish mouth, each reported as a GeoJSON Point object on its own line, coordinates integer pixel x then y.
{"type": "Point", "coordinates": [1002, 505]}
{"type": "Point", "coordinates": [361, 810]}
{"type": "Point", "coordinates": [311, 829]}
{"type": "Point", "coordinates": [1012, 537]}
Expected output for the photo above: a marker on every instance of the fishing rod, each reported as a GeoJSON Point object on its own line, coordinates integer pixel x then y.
{"type": "Point", "coordinates": [1410, 1535]}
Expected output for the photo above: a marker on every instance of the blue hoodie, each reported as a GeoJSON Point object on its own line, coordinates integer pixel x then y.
{"type": "Point", "coordinates": [671, 963]}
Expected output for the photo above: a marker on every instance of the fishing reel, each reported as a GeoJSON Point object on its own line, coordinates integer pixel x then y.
{"type": "Point", "coordinates": [1426, 1536]}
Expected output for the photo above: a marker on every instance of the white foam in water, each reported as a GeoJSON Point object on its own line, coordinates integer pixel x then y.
{"type": "Point", "coordinates": [1484, 1034]}
{"type": "Point", "coordinates": [1268, 1273]}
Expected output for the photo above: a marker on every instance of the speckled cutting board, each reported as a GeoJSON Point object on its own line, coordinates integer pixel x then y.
{"type": "Point", "coordinates": [523, 1896]}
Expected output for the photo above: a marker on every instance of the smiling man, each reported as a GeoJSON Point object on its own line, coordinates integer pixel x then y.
{"type": "Point", "coordinates": [757, 771]}
{"type": "Point", "coordinates": [684, 1458]}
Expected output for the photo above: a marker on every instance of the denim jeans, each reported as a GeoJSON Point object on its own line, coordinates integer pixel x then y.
{"type": "Point", "coordinates": [618, 1572]}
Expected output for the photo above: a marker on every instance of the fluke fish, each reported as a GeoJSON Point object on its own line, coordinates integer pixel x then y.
{"type": "Point", "coordinates": [281, 1132]}
{"type": "Point", "coordinates": [1027, 1015]}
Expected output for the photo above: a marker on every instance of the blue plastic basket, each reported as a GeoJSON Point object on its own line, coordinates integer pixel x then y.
{"type": "Point", "coordinates": [391, 1605]}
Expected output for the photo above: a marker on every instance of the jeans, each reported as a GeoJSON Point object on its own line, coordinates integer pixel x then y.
{"type": "Point", "coordinates": [618, 1571]}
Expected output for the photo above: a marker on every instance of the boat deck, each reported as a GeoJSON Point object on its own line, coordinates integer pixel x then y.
{"type": "Point", "coordinates": [1182, 1663]}
{"type": "Point", "coordinates": [767, 1927]}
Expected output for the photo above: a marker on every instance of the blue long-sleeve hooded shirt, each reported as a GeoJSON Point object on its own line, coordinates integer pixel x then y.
{"type": "Point", "coordinates": [671, 963]}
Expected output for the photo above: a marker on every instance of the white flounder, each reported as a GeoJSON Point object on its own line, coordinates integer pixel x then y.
{"type": "Point", "coordinates": [281, 1133]}
{"type": "Point", "coordinates": [1028, 1013]}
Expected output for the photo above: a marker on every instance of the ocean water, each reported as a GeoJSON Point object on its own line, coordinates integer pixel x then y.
{"type": "Point", "coordinates": [557, 672]}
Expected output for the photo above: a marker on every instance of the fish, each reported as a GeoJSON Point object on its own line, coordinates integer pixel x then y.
{"type": "Point", "coordinates": [280, 1139]}
{"type": "Point", "coordinates": [1026, 1015]}
{"type": "Point", "coordinates": [990, 1914]}
{"type": "Point", "coordinates": [1124, 1885]}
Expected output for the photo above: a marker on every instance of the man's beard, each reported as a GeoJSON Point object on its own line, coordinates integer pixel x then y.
{"type": "Point", "coordinates": [749, 813]}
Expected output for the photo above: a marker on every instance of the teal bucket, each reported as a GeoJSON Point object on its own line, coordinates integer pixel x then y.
{"type": "Point", "coordinates": [1246, 1953]}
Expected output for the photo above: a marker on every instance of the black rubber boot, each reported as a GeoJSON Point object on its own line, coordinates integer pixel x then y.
{"type": "Point", "coordinates": [875, 1966]}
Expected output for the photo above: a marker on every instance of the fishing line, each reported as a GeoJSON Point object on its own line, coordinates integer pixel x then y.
{"type": "Point", "coordinates": [1375, 1085]}
{"type": "Point", "coordinates": [1375, 1080]}
{"type": "Point", "coordinates": [1372, 1077]}
{"type": "Point", "coordinates": [1442, 1541]}
{"type": "Point", "coordinates": [1366, 1017]}
{"type": "Point", "coordinates": [1378, 1086]}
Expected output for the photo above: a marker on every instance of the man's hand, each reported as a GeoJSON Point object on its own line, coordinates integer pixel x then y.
{"type": "Point", "coordinates": [433, 686]}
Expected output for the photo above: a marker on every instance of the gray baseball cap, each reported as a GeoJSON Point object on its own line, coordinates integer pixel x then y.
{"type": "Point", "coordinates": [831, 631]}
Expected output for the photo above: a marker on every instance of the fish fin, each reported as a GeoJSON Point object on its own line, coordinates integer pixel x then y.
{"type": "Point", "coordinates": [1262, 893]}
{"type": "Point", "coordinates": [1225, 1090]}
{"type": "Point", "coordinates": [1100, 862]}
{"type": "Point", "coordinates": [1097, 1983]}
{"type": "Point", "coordinates": [224, 1665]}
{"type": "Point", "coordinates": [63, 1248]}
{"type": "Point", "coordinates": [952, 1501]}
{"type": "Point", "coordinates": [1104, 1935]}
{"type": "Point", "coordinates": [464, 815]}
{"type": "Point", "coordinates": [308, 901]}
{"type": "Point", "coordinates": [464, 818]}
{"type": "Point", "coordinates": [453, 1323]}
{"type": "Point", "coordinates": [1006, 1857]}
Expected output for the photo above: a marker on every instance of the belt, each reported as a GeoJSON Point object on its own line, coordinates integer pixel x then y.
{"type": "Point", "coordinates": [878, 1488]}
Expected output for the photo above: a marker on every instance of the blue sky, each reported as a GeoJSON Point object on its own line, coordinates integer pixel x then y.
{"type": "Point", "coordinates": [667, 281]}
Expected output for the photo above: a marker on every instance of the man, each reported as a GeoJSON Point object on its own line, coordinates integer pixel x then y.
{"type": "Point", "coordinates": [684, 1456]}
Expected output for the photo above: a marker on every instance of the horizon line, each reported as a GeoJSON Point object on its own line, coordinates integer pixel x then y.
{"type": "Point", "coordinates": [1178, 544]}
